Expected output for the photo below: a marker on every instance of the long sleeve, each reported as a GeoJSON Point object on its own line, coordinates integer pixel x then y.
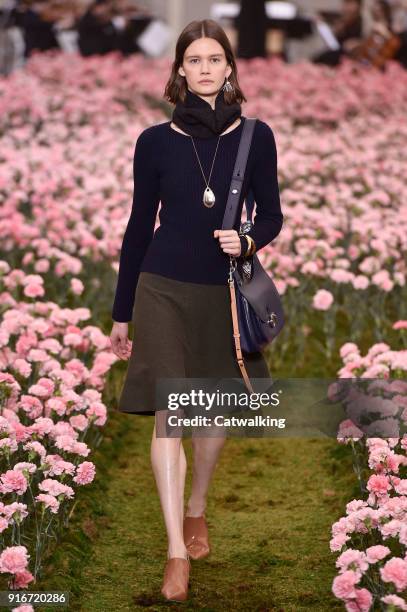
{"type": "Point", "coordinates": [140, 227]}
{"type": "Point", "coordinates": [268, 218]}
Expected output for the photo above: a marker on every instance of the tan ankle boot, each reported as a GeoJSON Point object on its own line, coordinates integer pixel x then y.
{"type": "Point", "coordinates": [196, 536]}
{"type": "Point", "coordinates": [176, 578]}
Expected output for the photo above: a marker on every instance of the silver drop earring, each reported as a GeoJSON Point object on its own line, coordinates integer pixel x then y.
{"type": "Point", "coordinates": [228, 85]}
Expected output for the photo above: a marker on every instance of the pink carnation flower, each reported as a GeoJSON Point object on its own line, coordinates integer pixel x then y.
{"type": "Point", "coordinates": [394, 600]}
{"type": "Point", "coordinates": [322, 300]}
{"type": "Point", "coordinates": [395, 571]}
{"type": "Point", "coordinates": [15, 511]}
{"type": "Point", "coordinates": [54, 487]}
{"type": "Point", "coordinates": [391, 528]}
{"type": "Point", "coordinates": [21, 580]}
{"type": "Point", "coordinates": [9, 444]}
{"type": "Point", "coordinates": [58, 466]}
{"type": "Point", "coordinates": [403, 534]}
{"type": "Point", "coordinates": [36, 448]}
{"type": "Point", "coordinates": [85, 473]}
{"type": "Point", "coordinates": [352, 559]}
{"type": "Point", "coordinates": [22, 367]}
{"type": "Point", "coordinates": [49, 502]}
{"type": "Point", "coordinates": [34, 290]}
{"type": "Point", "coordinates": [361, 603]}
{"type": "Point", "coordinates": [13, 481]}
{"type": "Point", "coordinates": [65, 442]}
{"type": "Point", "coordinates": [42, 426]}
{"type": "Point", "coordinates": [80, 448]}
{"type": "Point", "coordinates": [26, 465]}
{"type": "Point", "coordinates": [378, 484]}
{"type": "Point", "coordinates": [343, 585]}
{"type": "Point", "coordinates": [14, 559]}
{"type": "Point", "coordinates": [338, 541]}
{"type": "Point", "coordinates": [79, 421]}
{"type": "Point", "coordinates": [377, 553]}
{"type": "Point", "coordinates": [354, 505]}
{"type": "Point", "coordinates": [400, 324]}
{"type": "Point", "coordinates": [401, 487]}
{"type": "Point", "coordinates": [347, 348]}
{"type": "Point", "coordinates": [77, 286]}
{"type": "Point", "coordinates": [98, 412]}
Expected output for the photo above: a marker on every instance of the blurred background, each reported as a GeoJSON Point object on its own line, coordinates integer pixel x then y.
{"type": "Point", "coordinates": [322, 31]}
{"type": "Point", "coordinates": [79, 82]}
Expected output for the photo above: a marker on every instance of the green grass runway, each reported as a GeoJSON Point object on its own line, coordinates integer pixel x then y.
{"type": "Point", "coordinates": [270, 509]}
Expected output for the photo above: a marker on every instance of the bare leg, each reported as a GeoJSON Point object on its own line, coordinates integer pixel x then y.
{"type": "Point", "coordinates": [182, 474]}
{"type": "Point", "coordinates": [169, 466]}
{"type": "Point", "coordinates": [206, 452]}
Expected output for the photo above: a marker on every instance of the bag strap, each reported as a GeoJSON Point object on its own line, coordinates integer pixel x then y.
{"type": "Point", "coordinates": [236, 336]}
{"type": "Point", "coordinates": [249, 202]}
{"type": "Point", "coordinates": [228, 223]}
{"type": "Point", "coordinates": [229, 217]}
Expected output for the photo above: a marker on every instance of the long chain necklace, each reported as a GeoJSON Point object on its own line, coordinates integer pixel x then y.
{"type": "Point", "coordinates": [208, 195]}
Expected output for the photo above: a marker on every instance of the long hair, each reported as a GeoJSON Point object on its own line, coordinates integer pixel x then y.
{"type": "Point", "coordinates": [176, 86]}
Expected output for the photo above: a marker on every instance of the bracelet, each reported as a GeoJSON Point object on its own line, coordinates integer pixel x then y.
{"type": "Point", "coordinates": [251, 245]}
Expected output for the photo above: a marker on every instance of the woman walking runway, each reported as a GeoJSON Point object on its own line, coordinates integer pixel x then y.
{"type": "Point", "coordinates": [172, 283]}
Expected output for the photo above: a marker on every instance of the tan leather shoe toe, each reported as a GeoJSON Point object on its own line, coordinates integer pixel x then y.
{"type": "Point", "coordinates": [176, 578]}
{"type": "Point", "coordinates": [196, 536]}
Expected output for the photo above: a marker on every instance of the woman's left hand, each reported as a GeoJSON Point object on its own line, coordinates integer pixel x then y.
{"type": "Point", "coordinates": [229, 241]}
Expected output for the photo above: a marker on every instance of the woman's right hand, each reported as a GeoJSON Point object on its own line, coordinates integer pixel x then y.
{"type": "Point", "coordinates": [121, 345]}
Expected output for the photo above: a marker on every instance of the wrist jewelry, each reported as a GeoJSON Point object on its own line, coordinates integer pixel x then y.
{"type": "Point", "coordinates": [251, 246]}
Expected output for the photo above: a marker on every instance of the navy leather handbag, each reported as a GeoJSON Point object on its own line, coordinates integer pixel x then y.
{"type": "Point", "coordinates": [260, 313]}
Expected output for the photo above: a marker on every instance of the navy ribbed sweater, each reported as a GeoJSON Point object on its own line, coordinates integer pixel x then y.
{"type": "Point", "coordinates": [166, 170]}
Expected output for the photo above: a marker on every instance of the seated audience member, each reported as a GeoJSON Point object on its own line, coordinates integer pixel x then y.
{"type": "Point", "coordinates": [110, 25]}
{"type": "Point", "coordinates": [96, 31]}
{"type": "Point", "coordinates": [38, 32]}
{"type": "Point", "coordinates": [41, 19]}
{"type": "Point", "coordinates": [347, 27]}
{"type": "Point", "coordinates": [382, 43]}
{"type": "Point", "coordinates": [130, 21]}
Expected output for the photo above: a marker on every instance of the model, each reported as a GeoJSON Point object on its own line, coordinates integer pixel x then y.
{"type": "Point", "coordinates": [172, 283]}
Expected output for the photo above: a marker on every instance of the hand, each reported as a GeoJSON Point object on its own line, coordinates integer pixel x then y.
{"type": "Point", "coordinates": [229, 241]}
{"type": "Point", "coordinates": [121, 345]}
{"type": "Point", "coordinates": [381, 29]}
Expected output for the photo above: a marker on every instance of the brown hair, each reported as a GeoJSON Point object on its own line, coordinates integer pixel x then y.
{"type": "Point", "coordinates": [176, 86]}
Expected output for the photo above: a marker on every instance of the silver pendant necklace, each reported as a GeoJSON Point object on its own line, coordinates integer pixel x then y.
{"type": "Point", "coordinates": [208, 195]}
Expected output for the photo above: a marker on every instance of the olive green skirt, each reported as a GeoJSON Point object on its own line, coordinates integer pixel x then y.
{"type": "Point", "coordinates": [181, 330]}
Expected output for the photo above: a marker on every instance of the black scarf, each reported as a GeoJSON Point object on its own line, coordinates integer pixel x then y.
{"type": "Point", "coordinates": [196, 117]}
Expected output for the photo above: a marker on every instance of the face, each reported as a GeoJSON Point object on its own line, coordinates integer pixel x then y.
{"type": "Point", "coordinates": [377, 11]}
{"type": "Point", "coordinates": [205, 59]}
{"type": "Point", "coordinates": [351, 8]}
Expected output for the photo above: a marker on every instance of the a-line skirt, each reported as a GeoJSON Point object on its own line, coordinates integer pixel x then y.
{"type": "Point", "coordinates": [181, 330]}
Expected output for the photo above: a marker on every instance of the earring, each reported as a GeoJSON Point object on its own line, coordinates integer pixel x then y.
{"type": "Point", "coordinates": [228, 85]}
